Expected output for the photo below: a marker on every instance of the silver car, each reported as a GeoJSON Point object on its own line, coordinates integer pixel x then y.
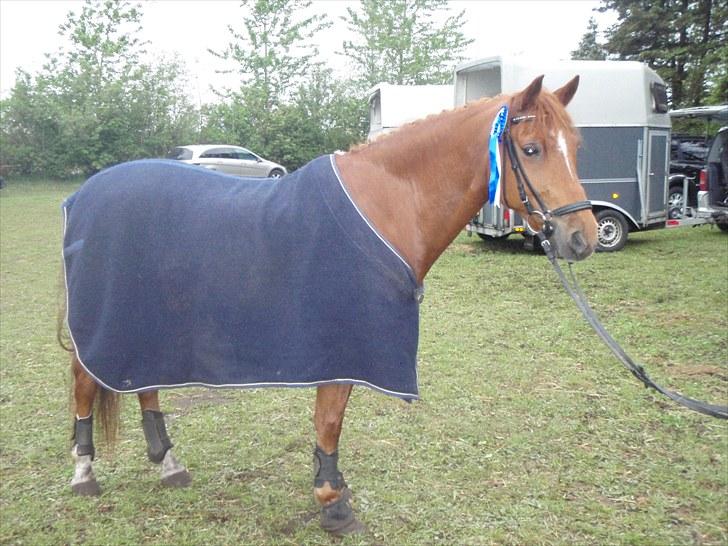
{"type": "Point", "coordinates": [227, 159]}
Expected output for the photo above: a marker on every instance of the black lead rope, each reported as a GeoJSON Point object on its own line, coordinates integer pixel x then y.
{"type": "Point", "coordinates": [572, 287]}
{"type": "Point", "coordinates": [574, 290]}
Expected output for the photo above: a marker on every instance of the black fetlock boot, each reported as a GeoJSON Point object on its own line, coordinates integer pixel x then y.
{"type": "Point", "coordinates": [158, 450]}
{"type": "Point", "coordinates": [337, 517]}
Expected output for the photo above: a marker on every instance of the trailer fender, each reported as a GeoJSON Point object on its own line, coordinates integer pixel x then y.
{"type": "Point", "coordinates": [675, 179]}
{"type": "Point", "coordinates": [600, 205]}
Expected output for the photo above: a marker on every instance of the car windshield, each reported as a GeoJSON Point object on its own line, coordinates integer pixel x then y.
{"type": "Point", "coordinates": [180, 153]}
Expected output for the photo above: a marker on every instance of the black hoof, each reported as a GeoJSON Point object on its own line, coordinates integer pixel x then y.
{"type": "Point", "coordinates": [178, 479]}
{"type": "Point", "coordinates": [88, 488]}
{"type": "Point", "coordinates": [338, 517]}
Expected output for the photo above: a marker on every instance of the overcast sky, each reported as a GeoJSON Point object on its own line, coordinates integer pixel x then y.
{"type": "Point", "coordinates": [542, 28]}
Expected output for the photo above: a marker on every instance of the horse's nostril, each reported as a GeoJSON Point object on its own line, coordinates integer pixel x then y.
{"type": "Point", "coordinates": [578, 243]}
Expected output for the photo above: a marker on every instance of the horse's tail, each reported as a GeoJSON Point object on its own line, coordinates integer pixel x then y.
{"type": "Point", "coordinates": [107, 414]}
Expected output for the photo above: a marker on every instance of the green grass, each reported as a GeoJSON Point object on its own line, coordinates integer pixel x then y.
{"type": "Point", "coordinates": [528, 431]}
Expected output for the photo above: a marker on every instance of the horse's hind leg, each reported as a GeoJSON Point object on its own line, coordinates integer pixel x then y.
{"type": "Point", "coordinates": [84, 393]}
{"type": "Point", "coordinates": [330, 489]}
{"type": "Point", "coordinates": [159, 446]}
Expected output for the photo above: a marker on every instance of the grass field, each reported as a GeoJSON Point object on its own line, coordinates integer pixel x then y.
{"type": "Point", "coordinates": [528, 431]}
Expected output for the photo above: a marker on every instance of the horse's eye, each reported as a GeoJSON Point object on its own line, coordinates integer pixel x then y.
{"type": "Point", "coordinates": [531, 149]}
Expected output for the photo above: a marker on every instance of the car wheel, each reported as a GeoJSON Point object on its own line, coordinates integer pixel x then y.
{"type": "Point", "coordinates": [675, 203]}
{"type": "Point", "coordinates": [612, 231]}
{"type": "Point", "coordinates": [275, 173]}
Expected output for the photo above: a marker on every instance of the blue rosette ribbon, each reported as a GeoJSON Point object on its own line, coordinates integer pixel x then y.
{"type": "Point", "coordinates": [496, 137]}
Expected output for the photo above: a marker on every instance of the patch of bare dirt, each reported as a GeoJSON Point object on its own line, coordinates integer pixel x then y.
{"type": "Point", "coordinates": [696, 370]}
{"type": "Point", "coordinates": [184, 402]}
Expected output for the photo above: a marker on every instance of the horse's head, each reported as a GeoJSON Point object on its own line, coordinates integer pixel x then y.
{"type": "Point", "coordinates": [544, 187]}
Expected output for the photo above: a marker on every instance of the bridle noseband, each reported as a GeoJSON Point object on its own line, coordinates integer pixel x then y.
{"type": "Point", "coordinates": [523, 182]}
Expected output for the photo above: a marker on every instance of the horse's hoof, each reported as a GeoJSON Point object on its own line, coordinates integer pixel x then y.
{"type": "Point", "coordinates": [88, 488]}
{"type": "Point", "coordinates": [351, 528]}
{"type": "Point", "coordinates": [177, 479]}
{"type": "Point", "coordinates": [338, 517]}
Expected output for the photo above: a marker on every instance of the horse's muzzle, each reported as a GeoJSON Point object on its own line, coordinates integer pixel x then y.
{"type": "Point", "coordinates": [579, 247]}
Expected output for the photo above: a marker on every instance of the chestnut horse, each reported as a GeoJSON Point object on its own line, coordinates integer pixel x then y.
{"type": "Point", "coordinates": [417, 188]}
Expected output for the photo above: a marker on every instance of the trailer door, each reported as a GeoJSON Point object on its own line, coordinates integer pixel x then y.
{"type": "Point", "coordinates": [657, 174]}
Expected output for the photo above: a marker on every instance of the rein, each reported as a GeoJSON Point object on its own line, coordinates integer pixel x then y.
{"type": "Point", "coordinates": [574, 290]}
{"type": "Point", "coordinates": [572, 286]}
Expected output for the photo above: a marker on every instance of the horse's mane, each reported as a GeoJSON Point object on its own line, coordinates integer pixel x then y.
{"type": "Point", "coordinates": [414, 127]}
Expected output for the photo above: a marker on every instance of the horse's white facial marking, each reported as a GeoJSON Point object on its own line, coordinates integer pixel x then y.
{"type": "Point", "coordinates": [564, 149]}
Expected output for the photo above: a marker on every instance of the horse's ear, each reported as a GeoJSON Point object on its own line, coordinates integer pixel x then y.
{"type": "Point", "coordinates": [566, 93]}
{"type": "Point", "coordinates": [526, 98]}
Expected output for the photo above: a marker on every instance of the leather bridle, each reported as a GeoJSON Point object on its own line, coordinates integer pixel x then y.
{"type": "Point", "coordinates": [545, 214]}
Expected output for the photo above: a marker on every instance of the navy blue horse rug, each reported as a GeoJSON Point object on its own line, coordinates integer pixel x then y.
{"type": "Point", "coordinates": [179, 276]}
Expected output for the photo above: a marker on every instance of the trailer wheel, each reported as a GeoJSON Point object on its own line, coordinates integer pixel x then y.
{"type": "Point", "coordinates": [612, 230]}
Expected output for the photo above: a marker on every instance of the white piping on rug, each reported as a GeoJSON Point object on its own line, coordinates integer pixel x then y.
{"type": "Point", "coordinates": [363, 216]}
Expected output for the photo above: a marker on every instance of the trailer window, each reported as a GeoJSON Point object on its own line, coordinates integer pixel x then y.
{"type": "Point", "coordinates": [375, 111]}
{"type": "Point", "coordinates": [659, 97]}
{"type": "Point", "coordinates": [484, 82]}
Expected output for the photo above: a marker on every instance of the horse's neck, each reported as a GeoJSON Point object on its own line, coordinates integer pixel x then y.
{"type": "Point", "coordinates": [420, 186]}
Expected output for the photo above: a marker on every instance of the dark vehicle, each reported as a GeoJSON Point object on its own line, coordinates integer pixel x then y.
{"type": "Point", "coordinates": [687, 159]}
{"type": "Point", "coordinates": [715, 179]}
{"type": "Point", "coordinates": [688, 155]}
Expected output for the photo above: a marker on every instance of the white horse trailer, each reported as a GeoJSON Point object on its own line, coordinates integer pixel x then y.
{"type": "Point", "coordinates": [620, 110]}
{"type": "Point", "coordinates": [391, 106]}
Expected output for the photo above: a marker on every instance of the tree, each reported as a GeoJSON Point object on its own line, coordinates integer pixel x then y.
{"type": "Point", "coordinates": [684, 40]}
{"type": "Point", "coordinates": [273, 55]}
{"type": "Point", "coordinates": [326, 115]}
{"type": "Point", "coordinates": [589, 48]}
{"type": "Point", "coordinates": [95, 102]}
{"type": "Point", "coordinates": [322, 115]}
{"type": "Point", "coordinates": [273, 50]}
{"type": "Point", "coordinates": [401, 42]}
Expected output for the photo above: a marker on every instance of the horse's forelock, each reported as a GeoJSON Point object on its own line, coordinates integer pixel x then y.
{"type": "Point", "coordinates": [550, 118]}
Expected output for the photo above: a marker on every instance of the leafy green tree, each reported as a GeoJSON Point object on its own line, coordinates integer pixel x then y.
{"type": "Point", "coordinates": [402, 42]}
{"type": "Point", "coordinates": [95, 102]}
{"type": "Point", "coordinates": [325, 115]}
{"type": "Point", "coordinates": [289, 107]}
{"type": "Point", "coordinates": [273, 49]}
{"type": "Point", "coordinates": [684, 40]}
{"type": "Point", "coordinates": [322, 115]}
{"type": "Point", "coordinates": [719, 84]}
{"type": "Point", "coordinates": [589, 48]}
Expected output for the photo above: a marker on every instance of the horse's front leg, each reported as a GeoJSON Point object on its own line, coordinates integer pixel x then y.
{"type": "Point", "coordinates": [330, 489]}
{"type": "Point", "coordinates": [159, 446]}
